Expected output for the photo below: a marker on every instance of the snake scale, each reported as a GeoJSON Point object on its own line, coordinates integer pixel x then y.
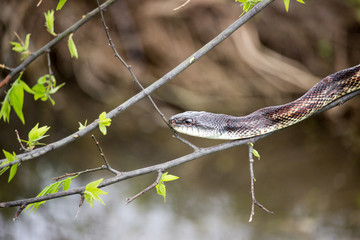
{"type": "Point", "coordinates": [269, 119]}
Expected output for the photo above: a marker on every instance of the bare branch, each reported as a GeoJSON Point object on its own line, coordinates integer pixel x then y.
{"type": "Point", "coordinates": [182, 5]}
{"type": "Point", "coordinates": [129, 200]}
{"type": "Point", "coordinates": [117, 55]}
{"type": "Point", "coordinates": [108, 167]}
{"type": "Point", "coordinates": [252, 184]}
{"type": "Point", "coordinates": [20, 142]}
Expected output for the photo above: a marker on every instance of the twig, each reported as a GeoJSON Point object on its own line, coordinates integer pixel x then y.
{"type": "Point", "coordinates": [129, 200]}
{"type": "Point", "coordinates": [252, 185]}
{"type": "Point", "coordinates": [103, 167]}
{"type": "Point", "coordinates": [117, 55]}
{"type": "Point", "coordinates": [82, 198]}
{"type": "Point", "coordinates": [108, 167]}
{"type": "Point", "coordinates": [21, 208]}
{"type": "Point", "coordinates": [182, 5]}
{"type": "Point", "coordinates": [3, 66]}
{"type": "Point", "coordinates": [20, 142]}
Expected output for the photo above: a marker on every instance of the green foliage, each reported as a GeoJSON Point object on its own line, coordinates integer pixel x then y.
{"type": "Point", "coordinates": [92, 192]}
{"type": "Point", "coordinates": [104, 122]}
{"type": "Point", "coordinates": [14, 98]}
{"type": "Point", "coordinates": [81, 127]}
{"type": "Point", "coordinates": [72, 47]}
{"type": "Point", "coordinates": [9, 158]}
{"type": "Point", "coordinates": [249, 4]}
{"type": "Point", "coordinates": [46, 86]}
{"type": "Point", "coordinates": [53, 188]}
{"type": "Point", "coordinates": [35, 135]}
{"type": "Point", "coordinates": [60, 4]}
{"type": "Point", "coordinates": [160, 187]}
{"type": "Point", "coordinates": [255, 152]}
{"type": "Point", "coordinates": [49, 22]}
{"type": "Point", "coordinates": [22, 47]}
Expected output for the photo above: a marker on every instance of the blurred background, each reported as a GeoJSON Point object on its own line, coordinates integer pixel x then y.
{"type": "Point", "coordinates": [309, 174]}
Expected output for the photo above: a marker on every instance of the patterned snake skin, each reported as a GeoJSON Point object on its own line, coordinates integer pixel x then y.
{"type": "Point", "coordinates": [269, 119]}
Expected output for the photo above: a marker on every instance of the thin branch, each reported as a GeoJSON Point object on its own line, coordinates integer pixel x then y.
{"type": "Point", "coordinates": [20, 142]}
{"type": "Point", "coordinates": [136, 80]}
{"type": "Point", "coordinates": [252, 184]}
{"type": "Point", "coordinates": [182, 5]}
{"type": "Point", "coordinates": [129, 200]}
{"type": "Point", "coordinates": [103, 167]}
{"type": "Point", "coordinates": [133, 100]}
{"type": "Point", "coordinates": [57, 39]}
{"type": "Point", "coordinates": [108, 167]}
{"type": "Point", "coordinates": [82, 198]}
{"type": "Point", "coordinates": [21, 208]}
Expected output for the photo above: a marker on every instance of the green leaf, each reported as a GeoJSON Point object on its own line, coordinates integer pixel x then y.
{"type": "Point", "coordinates": [72, 47]}
{"type": "Point", "coordinates": [167, 178]}
{"type": "Point", "coordinates": [300, 1]}
{"type": "Point", "coordinates": [92, 193]}
{"type": "Point", "coordinates": [13, 170]}
{"type": "Point", "coordinates": [16, 96]}
{"type": "Point", "coordinates": [256, 153]}
{"type": "Point", "coordinates": [60, 4]}
{"type": "Point", "coordinates": [5, 110]}
{"type": "Point", "coordinates": [27, 41]}
{"type": "Point", "coordinates": [286, 3]}
{"type": "Point", "coordinates": [49, 22]}
{"type": "Point", "coordinates": [52, 188]}
{"type": "Point", "coordinates": [161, 190]}
{"type": "Point", "coordinates": [35, 135]}
{"type": "Point", "coordinates": [21, 47]}
{"type": "Point", "coordinates": [9, 158]}
{"type": "Point", "coordinates": [103, 123]}
{"type": "Point", "coordinates": [81, 127]}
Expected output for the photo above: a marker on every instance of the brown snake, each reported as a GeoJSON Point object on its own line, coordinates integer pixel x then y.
{"type": "Point", "coordinates": [269, 119]}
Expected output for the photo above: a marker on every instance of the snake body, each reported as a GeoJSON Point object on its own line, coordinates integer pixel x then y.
{"type": "Point", "coordinates": [269, 119]}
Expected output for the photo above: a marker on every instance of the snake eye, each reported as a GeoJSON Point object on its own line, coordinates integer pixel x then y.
{"type": "Point", "coordinates": [188, 121]}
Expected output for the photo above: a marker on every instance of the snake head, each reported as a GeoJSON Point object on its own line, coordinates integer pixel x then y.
{"type": "Point", "coordinates": [198, 124]}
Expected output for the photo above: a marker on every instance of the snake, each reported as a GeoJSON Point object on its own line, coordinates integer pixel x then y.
{"type": "Point", "coordinates": [269, 119]}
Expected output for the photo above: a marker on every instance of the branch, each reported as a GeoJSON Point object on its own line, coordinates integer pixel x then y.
{"type": "Point", "coordinates": [129, 200]}
{"type": "Point", "coordinates": [252, 185]}
{"type": "Point", "coordinates": [138, 172]}
{"type": "Point", "coordinates": [131, 101]}
{"type": "Point", "coordinates": [57, 39]}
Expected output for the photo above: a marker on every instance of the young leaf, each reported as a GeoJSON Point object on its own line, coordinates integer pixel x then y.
{"type": "Point", "coordinates": [16, 96]}
{"type": "Point", "coordinates": [167, 178]}
{"type": "Point", "coordinates": [256, 153]}
{"type": "Point", "coordinates": [81, 127]}
{"type": "Point", "coordinates": [60, 4]}
{"type": "Point", "coordinates": [103, 123]}
{"type": "Point", "coordinates": [35, 135]}
{"type": "Point", "coordinates": [72, 47]}
{"type": "Point", "coordinates": [161, 190]}
{"type": "Point", "coordinates": [49, 22]}
{"type": "Point", "coordinates": [9, 158]}
{"type": "Point", "coordinates": [286, 3]}
{"type": "Point", "coordinates": [52, 188]}
{"type": "Point", "coordinates": [92, 193]}
{"type": "Point", "coordinates": [5, 109]}
{"type": "Point", "coordinates": [21, 47]}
